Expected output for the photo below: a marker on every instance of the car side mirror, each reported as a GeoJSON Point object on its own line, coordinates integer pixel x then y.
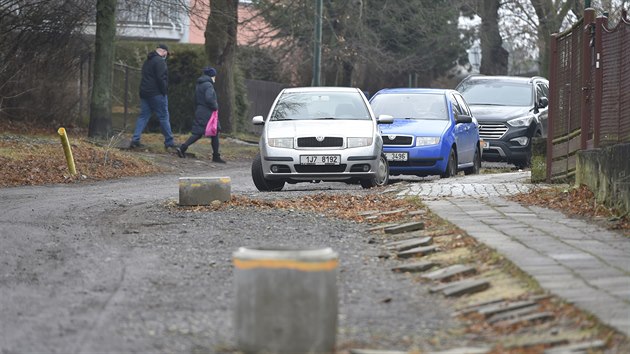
{"type": "Point", "coordinates": [385, 119]}
{"type": "Point", "coordinates": [463, 118]}
{"type": "Point", "coordinates": [543, 102]}
{"type": "Point", "coordinates": [258, 120]}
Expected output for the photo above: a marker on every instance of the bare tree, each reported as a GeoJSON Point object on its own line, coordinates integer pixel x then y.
{"type": "Point", "coordinates": [40, 52]}
{"type": "Point", "coordinates": [101, 103]}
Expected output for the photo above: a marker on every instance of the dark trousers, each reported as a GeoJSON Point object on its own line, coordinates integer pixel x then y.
{"type": "Point", "coordinates": [214, 141]}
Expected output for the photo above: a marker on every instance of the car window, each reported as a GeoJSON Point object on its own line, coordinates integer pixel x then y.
{"type": "Point", "coordinates": [410, 105]}
{"type": "Point", "coordinates": [462, 105]}
{"type": "Point", "coordinates": [456, 108]}
{"type": "Point", "coordinates": [486, 92]}
{"type": "Point", "coordinates": [320, 105]}
{"type": "Point", "coordinates": [542, 90]}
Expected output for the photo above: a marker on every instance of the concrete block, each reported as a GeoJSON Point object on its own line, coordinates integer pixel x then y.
{"type": "Point", "coordinates": [606, 172]}
{"type": "Point", "coordinates": [204, 190]}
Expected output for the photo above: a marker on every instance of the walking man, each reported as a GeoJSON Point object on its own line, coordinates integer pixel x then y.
{"type": "Point", "coordinates": [153, 96]}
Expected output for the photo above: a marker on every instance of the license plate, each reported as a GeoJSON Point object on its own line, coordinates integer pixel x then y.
{"type": "Point", "coordinates": [320, 159]}
{"type": "Point", "coordinates": [485, 144]}
{"type": "Point", "coordinates": [396, 156]}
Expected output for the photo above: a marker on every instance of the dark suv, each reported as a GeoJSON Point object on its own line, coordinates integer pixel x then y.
{"type": "Point", "coordinates": [510, 111]}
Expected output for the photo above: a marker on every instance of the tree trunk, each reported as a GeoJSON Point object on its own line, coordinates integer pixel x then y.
{"type": "Point", "coordinates": [101, 101]}
{"type": "Point", "coordinates": [494, 58]}
{"type": "Point", "coordinates": [549, 21]}
{"type": "Point", "coordinates": [221, 50]}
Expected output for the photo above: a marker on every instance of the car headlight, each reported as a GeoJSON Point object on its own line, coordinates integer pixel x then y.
{"type": "Point", "coordinates": [286, 143]}
{"type": "Point", "coordinates": [427, 140]}
{"type": "Point", "coordinates": [521, 122]}
{"type": "Point", "coordinates": [358, 142]}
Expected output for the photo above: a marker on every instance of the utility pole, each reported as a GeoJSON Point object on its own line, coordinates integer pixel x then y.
{"type": "Point", "coordinates": [317, 45]}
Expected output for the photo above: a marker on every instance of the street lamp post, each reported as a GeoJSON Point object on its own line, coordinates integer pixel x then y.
{"type": "Point", "coordinates": [317, 45]}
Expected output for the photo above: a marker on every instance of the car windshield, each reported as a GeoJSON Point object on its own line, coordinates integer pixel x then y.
{"type": "Point", "coordinates": [410, 106]}
{"type": "Point", "coordinates": [320, 105]}
{"type": "Point", "coordinates": [497, 93]}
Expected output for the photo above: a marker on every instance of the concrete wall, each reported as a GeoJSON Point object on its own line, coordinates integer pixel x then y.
{"type": "Point", "coordinates": [606, 172]}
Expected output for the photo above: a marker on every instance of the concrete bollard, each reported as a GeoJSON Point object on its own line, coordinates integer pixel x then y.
{"type": "Point", "coordinates": [286, 300]}
{"type": "Point", "coordinates": [204, 190]}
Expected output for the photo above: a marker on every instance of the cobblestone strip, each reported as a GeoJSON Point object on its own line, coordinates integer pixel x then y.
{"type": "Point", "coordinates": [582, 263]}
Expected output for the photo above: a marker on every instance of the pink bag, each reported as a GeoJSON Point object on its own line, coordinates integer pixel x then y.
{"type": "Point", "coordinates": [211, 127]}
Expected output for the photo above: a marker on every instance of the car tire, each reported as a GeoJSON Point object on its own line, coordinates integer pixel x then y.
{"type": "Point", "coordinates": [474, 170]}
{"type": "Point", "coordinates": [382, 175]}
{"type": "Point", "coordinates": [527, 162]}
{"type": "Point", "coordinates": [262, 184]}
{"type": "Point", "coordinates": [451, 165]}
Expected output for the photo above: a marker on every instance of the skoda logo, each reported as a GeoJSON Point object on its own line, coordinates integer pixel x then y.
{"type": "Point", "coordinates": [319, 138]}
{"type": "Point", "coordinates": [391, 137]}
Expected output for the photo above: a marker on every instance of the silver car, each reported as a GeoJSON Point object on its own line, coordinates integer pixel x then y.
{"type": "Point", "coordinates": [315, 134]}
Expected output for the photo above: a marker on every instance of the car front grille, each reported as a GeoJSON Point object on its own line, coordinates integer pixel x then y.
{"type": "Point", "coordinates": [492, 130]}
{"type": "Point", "coordinates": [319, 168]}
{"type": "Point", "coordinates": [397, 140]}
{"type": "Point", "coordinates": [312, 142]}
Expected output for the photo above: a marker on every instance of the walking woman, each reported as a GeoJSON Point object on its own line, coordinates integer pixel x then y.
{"type": "Point", "coordinates": [205, 104]}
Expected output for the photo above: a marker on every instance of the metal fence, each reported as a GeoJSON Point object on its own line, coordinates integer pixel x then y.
{"type": "Point", "coordinates": [589, 91]}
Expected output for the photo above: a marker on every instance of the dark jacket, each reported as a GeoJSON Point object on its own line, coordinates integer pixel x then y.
{"type": "Point", "coordinates": [205, 103]}
{"type": "Point", "coordinates": [154, 76]}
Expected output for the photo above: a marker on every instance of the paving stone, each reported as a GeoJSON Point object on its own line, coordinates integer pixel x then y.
{"type": "Point", "coordinates": [417, 212]}
{"type": "Point", "coordinates": [415, 267]}
{"type": "Point", "coordinates": [418, 251]}
{"type": "Point", "coordinates": [474, 307]}
{"type": "Point", "coordinates": [513, 314]}
{"type": "Point", "coordinates": [381, 227]}
{"type": "Point", "coordinates": [535, 317]}
{"type": "Point", "coordinates": [584, 347]}
{"type": "Point", "coordinates": [449, 272]}
{"type": "Point", "coordinates": [462, 287]}
{"type": "Point", "coordinates": [407, 227]}
{"type": "Point", "coordinates": [504, 307]}
{"type": "Point", "coordinates": [464, 350]}
{"type": "Point", "coordinates": [404, 245]}
{"type": "Point", "coordinates": [390, 212]}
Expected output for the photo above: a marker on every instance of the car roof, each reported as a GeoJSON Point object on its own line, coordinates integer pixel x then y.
{"type": "Point", "coordinates": [504, 78]}
{"type": "Point", "coordinates": [321, 89]}
{"type": "Point", "coordinates": [414, 90]}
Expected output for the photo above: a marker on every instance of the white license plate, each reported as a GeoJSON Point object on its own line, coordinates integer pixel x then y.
{"type": "Point", "coordinates": [485, 144]}
{"type": "Point", "coordinates": [396, 156]}
{"type": "Point", "coordinates": [320, 159]}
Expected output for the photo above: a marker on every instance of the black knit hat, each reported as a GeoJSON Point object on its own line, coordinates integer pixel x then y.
{"type": "Point", "coordinates": [163, 46]}
{"type": "Point", "coordinates": [210, 71]}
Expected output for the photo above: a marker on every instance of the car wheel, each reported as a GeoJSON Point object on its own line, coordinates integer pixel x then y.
{"type": "Point", "coordinates": [476, 164]}
{"type": "Point", "coordinates": [451, 166]}
{"type": "Point", "coordinates": [263, 185]}
{"type": "Point", "coordinates": [382, 175]}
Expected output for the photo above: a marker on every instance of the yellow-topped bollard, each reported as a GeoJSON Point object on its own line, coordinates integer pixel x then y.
{"type": "Point", "coordinates": [67, 150]}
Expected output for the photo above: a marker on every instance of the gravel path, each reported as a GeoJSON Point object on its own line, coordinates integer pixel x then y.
{"type": "Point", "coordinates": [115, 267]}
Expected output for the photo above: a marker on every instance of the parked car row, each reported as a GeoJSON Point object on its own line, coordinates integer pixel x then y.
{"type": "Point", "coordinates": [314, 134]}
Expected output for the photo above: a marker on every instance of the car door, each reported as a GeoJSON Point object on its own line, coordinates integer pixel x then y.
{"type": "Point", "coordinates": [464, 132]}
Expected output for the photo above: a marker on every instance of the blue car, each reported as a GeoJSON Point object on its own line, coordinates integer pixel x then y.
{"type": "Point", "coordinates": [433, 133]}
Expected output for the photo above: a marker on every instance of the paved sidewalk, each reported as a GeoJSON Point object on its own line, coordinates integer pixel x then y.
{"type": "Point", "coordinates": [584, 264]}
